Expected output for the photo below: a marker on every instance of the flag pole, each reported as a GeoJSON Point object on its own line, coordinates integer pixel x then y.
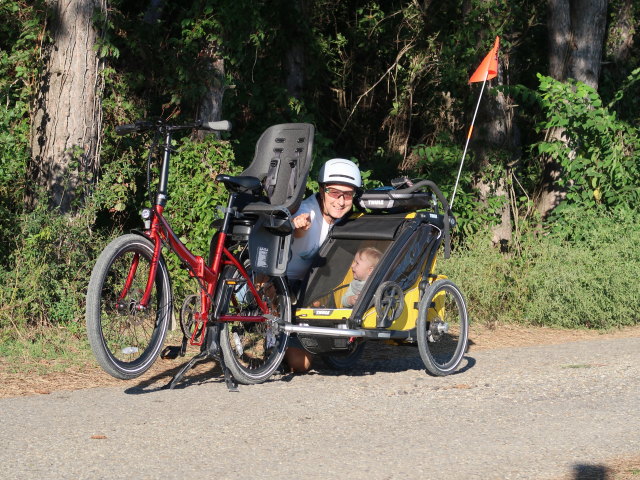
{"type": "Point", "coordinates": [466, 145]}
{"type": "Point", "coordinates": [487, 70]}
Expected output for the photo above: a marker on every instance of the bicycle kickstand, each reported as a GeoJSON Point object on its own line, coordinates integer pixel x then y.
{"type": "Point", "coordinates": [202, 356]}
{"type": "Point", "coordinates": [232, 384]}
{"type": "Point", "coordinates": [211, 350]}
{"type": "Point", "coordinates": [213, 347]}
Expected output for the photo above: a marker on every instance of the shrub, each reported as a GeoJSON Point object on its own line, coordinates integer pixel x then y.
{"type": "Point", "coordinates": [485, 277]}
{"type": "Point", "coordinates": [45, 281]}
{"type": "Point", "coordinates": [599, 153]}
{"type": "Point", "coordinates": [581, 274]}
{"type": "Point", "coordinates": [586, 273]}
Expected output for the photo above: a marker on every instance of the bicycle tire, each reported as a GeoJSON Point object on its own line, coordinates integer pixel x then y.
{"type": "Point", "coordinates": [125, 340]}
{"type": "Point", "coordinates": [253, 350]}
{"type": "Point", "coordinates": [442, 328]}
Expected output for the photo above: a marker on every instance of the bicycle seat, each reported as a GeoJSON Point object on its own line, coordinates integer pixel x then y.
{"type": "Point", "coordinates": [241, 184]}
{"type": "Point", "coordinates": [281, 162]}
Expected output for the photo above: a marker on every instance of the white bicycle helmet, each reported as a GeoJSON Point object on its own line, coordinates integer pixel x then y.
{"type": "Point", "coordinates": [340, 171]}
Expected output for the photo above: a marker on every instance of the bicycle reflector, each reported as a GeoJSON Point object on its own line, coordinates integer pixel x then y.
{"type": "Point", "coordinates": [146, 216]}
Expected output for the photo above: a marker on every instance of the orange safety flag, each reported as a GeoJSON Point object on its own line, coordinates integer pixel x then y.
{"type": "Point", "coordinates": [488, 69]}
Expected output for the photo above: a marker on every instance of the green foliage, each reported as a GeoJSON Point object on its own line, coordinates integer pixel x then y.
{"type": "Point", "coordinates": [581, 275]}
{"type": "Point", "coordinates": [586, 274]}
{"type": "Point", "coordinates": [48, 270]}
{"type": "Point", "coordinates": [14, 155]}
{"type": "Point", "coordinates": [19, 34]}
{"type": "Point", "coordinates": [485, 277]}
{"type": "Point", "coordinates": [441, 163]}
{"type": "Point", "coordinates": [382, 81]}
{"type": "Point", "coordinates": [599, 154]}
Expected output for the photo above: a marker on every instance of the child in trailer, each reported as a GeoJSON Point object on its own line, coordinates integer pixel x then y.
{"type": "Point", "coordinates": [364, 261]}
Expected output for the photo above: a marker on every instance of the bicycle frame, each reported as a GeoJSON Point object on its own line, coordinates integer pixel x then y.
{"type": "Point", "coordinates": [208, 276]}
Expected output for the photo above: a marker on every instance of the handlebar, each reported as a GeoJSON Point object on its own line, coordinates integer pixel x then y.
{"type": "Point", "coordinates": [162, 128]}
{"type": "Point", "coordinates": [406, 192]}
{"type": "Point", "coordinates": [140, 126]}
{"type": "Point", "coordinates": [449, 220]}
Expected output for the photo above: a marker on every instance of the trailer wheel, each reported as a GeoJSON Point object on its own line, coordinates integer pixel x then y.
{"type": "Point", "coordinates": [442, 328]}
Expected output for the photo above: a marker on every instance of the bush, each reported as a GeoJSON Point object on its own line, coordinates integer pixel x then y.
{"type": "Point", "coordinates": [599, 153]}
{"type": "Point", "coordinates": [581, 274]}
{"type": "Point", "coordinates": [45, 281]}
{"type": "Point", "coordinates": [586, 274]}
{"type": "Point", "coordinates": [485, 277]}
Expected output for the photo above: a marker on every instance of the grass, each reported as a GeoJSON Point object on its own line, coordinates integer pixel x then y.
{"type": "Point", "coordinates": [43, 350]}
{"type": "Point", "coordinates": [585, 276]}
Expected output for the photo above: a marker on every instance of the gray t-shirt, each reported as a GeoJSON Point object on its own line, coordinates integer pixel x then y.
{"type": "Point", "coordinates": [355, 287]}
{"type": "Point", "coordinates": [305, 248]}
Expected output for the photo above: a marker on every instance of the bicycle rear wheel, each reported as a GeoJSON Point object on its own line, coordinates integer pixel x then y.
{"type": "Point", "coordinates": [253, 350]}
{"type": "Point", "coordinates": [125, 339]}
{"type": "Point", "coordinates": [442, 328]}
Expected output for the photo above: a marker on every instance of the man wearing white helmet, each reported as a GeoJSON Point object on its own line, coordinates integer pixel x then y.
{"type": "Point", "coordinates": [339, 181]}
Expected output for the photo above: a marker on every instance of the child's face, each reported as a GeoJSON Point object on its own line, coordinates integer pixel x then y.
{"type": "Point", "coordinates": [361, 267]}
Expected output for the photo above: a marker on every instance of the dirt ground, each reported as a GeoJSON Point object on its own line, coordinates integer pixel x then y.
{"type": "Point", "coordinates": [481, 338]}
{"type": "Point", "coordinates": [90, 375]}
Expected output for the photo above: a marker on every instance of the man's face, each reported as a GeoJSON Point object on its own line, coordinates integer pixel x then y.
{"type": "Point", "coordinates": [361, 267]}
{"type": "Point", "coordinates": [337, 199]}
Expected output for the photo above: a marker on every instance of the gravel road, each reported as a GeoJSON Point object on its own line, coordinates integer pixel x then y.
{"type": "Point", "coordinates": [530, 412]}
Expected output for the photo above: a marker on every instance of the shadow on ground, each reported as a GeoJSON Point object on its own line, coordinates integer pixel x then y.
{"type": "Point", "coordinates": [205, 372]}
{"type": "Point", "coordinates": [583, 471]}
{"type": "Point", "coordinates": [377, 358]}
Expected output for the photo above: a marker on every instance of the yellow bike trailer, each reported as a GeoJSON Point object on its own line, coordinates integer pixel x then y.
{"type": "Point", "coordinates": [404, 300]}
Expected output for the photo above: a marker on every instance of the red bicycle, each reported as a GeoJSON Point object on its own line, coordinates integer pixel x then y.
{"type": "Point", "coordinates": [243, 304]}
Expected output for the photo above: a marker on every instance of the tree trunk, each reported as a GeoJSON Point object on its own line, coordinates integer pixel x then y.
{"type": "Point", "coordinates": [498, 134]}
{"type": "Point", "coordinates": [295, 69]}
{"type": "Point", "coordinates": [576, 31]}
{"type": "Point", "coordinates": [153, 12]}
{"type": "Point", "coordinates": [294, 62]}
{"type": "Point", "coordinates": [67, 115]}
{"type": "Point", "coordinates": [211, 103]}
{"type": "Point", "coordinates": [621, 33]}
{"type": "Point", "coordinates": [576, 37]}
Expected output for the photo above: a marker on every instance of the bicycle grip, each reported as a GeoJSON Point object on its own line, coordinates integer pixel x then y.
{"type": "Point", "coordinates": [138, 126]}
{"type": "Point", "coordinates": [220, 126]}
{"type": "Point", "coordinates": [126, 129]}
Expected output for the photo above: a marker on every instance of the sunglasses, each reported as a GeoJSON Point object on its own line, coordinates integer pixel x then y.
{"type": "Point", "coordinates": [335, 193]}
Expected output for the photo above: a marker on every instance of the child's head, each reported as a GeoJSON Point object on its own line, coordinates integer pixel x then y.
{"type": "Point", "coordinates": [364, 262]}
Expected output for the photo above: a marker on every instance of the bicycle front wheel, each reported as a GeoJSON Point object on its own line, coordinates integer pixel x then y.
{"type": "Point", "coordinates": [125, 338]}
{"type": "Point", "coordinates": [253, 350]}
{"type": "Point", "coordinates": [442, 328]}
